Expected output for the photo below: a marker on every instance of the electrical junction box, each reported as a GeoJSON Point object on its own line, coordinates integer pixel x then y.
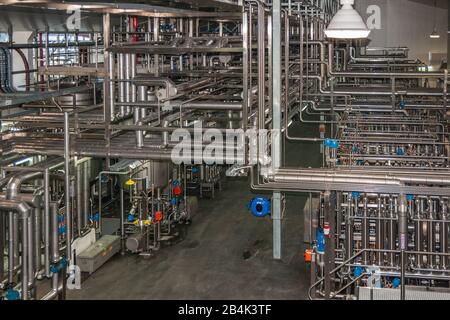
{"type": "Point", "coordinates": [98, 253]}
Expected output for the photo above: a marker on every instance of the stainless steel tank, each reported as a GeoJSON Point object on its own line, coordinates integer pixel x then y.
{"type": "Point", "coordinates": [155, 173]}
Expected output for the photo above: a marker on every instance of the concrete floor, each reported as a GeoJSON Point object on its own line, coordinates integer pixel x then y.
{"type": "Point", "coordinates": [212, 261]}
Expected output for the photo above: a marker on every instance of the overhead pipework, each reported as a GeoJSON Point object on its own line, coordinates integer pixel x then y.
{"type": "Point", "coordinates": [123, 126]}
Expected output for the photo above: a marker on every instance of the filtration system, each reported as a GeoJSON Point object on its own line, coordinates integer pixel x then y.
{"type": "Point", "coordinates": [123, 125]}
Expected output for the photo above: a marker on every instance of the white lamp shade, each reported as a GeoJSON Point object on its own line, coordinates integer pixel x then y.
{"type": "Point", "coordinates": [435, 35]}
{"type": "Point", "coordinates": [347, 24]}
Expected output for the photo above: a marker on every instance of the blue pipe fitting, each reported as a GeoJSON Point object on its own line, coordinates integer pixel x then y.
{"type": "Point", "coordinates": [410, 197]}
{"type": "Point", "coordinates": [356, 194]}
{"type": "Point", "coordinates": [62, 230]}
{"type": "Point", "coordinates": [95, 217]}
{"type": "Point", "coordinates": [195, 170]}
{"type": "Point", "coordinates": [60, 265]}
{"type": "Point", "coordinates": [358, 272]}
{"type": "Point", "coordinates": [331, 143]}
{"type": "Point", "coordinates": [130, 217]}
{"type": "Point", "coordinates": [260, 207]}
{"type": "Point", "coordinates": [396, 283]}
{"type": "Point", "coordinates": [12, 294]}
{"type": "Point", "coordinates": [320, 237]}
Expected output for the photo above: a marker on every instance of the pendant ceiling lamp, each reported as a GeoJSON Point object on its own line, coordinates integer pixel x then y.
{"type": "Point", "coordinates": [347, 23]}
{"type": "Point", "coordinates": [435, 34]}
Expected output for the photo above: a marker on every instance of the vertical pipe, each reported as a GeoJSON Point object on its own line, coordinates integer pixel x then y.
{"type": "Point", "coordinates": [111, 78]}
{"type": "Point", "coordinates": [25, 257]}
{"type": "Point", "coordinates": [276, 126]}
{"type": "Point", "coordinates": [30, 253]}
{"type": "Point", "coordinates": [137, 116]}
{"type": "Point", "coordinates": [16, 236]}
{"type": "Point", "coordinates": [349, 226]}
{"type": "Point", "coordinates": [79, 195]}
{"type": "Point", "coordinates": [365, 231]}
{"type": "Point", "coordinates": [55, 245]}
{"type": "Point", "coordinates": [122, 221]}
{"type": "Point", "coordinates": [37, 238]}
{"type": "Point", "coordinates": [47, 222]}
{"type": "Point", "coordinates": [403, 240]}
{"type": "Point", "coordinates": [245, 41]}
{"type": "Point", "coordinates": [68, 211]}
{"type": "Point", "coordinates": [431, 234]}
{"type": "Point", "coordinates": [122, 84]}
{"type": "Point", "coordinates": [156, 38]}
{"type": "Point", "coordinates": [86, 193]}
{"type": "Point", "coordinates": [391, 231]}
{"type": "Point", "coordinates": [11, 260]}
{"type": "Point", "coordinates": [2, 244]}
{"type": "Point", "coordinates": [106, 83]}
{"type": "Point", "coordinates": [444, 234]}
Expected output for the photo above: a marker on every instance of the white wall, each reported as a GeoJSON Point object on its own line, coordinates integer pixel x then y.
{"type": "Point", "coordinates": [409, 23]}
{"type": "Point", "coordinates": [19, 79]}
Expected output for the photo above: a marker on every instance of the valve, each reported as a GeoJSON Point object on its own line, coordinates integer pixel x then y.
{"type": "Point", "coordinates": [400, 151]}
{"type": "Point", "coordinates": [62, 230]}
{"type": "Point", "coordinates": [177, 191]}
{"type": "Point", "coordinates": [195, 170]}
{"type": "Point", "coordinates": [58, 266]}
{"type": "Point", "coordinates": [158, 216]}
{"type": "Point", "coordinates": [358, 272]}
{"type": "Point", "coordinates": [12, 294]}
{"type": "Point", "coordinates": [356, 194]}
{"type": "Point", "coordinates": [331, 143]}
{"type": "Point", "coordinates": [320, 237]}
{"type": "Point", "coordinates": [396, 283]}
{"type": "Point", "coordinates": [308, 255]}
{"type": "Point", "coordinates": [95, 217]}
{"type": "Point", "coordinates": [260, 207]}
{"type": "Point", "coordinates": [130, 182]}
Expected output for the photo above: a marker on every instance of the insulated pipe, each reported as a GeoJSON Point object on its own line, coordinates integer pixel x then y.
{"type": "Point", "coordinates": [37, 239]}
{"type": "Point", "coordinates": [203, 105]}
{"type": "Point", "coordinates": [137, 116]}
{"type": "Point", "coordinates": [122, 85]}
{"type": "Point", "coordinates": [13, 192]}
{"type": "Point", "coordinates": [350, 179]}
{"type": "Point", "coordinates": [12, 244]}
{"type": "Point", "coordinates": [383, 75]}
{"type": "Point", "coordinates": [34, 231]}
{"type": "Point", "coordinates": [86, 193]}
{"type": "Point", "coordinates": [2, 245]}
{"type": "Point", "coordinates": [317, 174]}
{"type": "Point", "coordinates": [24, 210]}
{"type": "Point", "coordinates": [56, 288]}
{"type": "Point", "coordinates": [79, 196]}
{"type": "Point", "coordinates": [403, 239]}
{"type": "Point", "coordinates": [47, 222]}
{"type": "Point", "coordinates": [68, 211]}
